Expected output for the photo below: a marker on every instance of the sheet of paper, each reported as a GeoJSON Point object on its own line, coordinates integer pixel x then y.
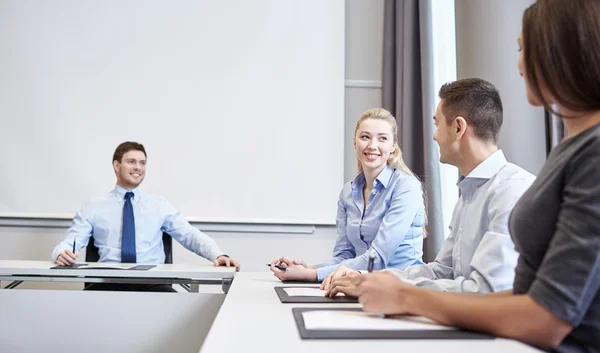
{"type": "Point", "coordinates": [307, 292]}
{"type": "Point", "coordinates": [108, 265]}
{"type": "Point", "coordinates": [358, 320]}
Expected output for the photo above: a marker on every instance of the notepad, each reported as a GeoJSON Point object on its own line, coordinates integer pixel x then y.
{"type": "Point", "coordinates": [307, 292]}
{"type": "Point", "coordinates": [353, 323]}
{"type": "Point", "coordinates": [313, 294]}
{"type": "Point", "coordinates": [358, 320]}
{"type": "Point", "coordinates": [108, 266]}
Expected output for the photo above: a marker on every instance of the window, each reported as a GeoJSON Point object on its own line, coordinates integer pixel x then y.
{"type": "Point", "coordinates": [444, 70]}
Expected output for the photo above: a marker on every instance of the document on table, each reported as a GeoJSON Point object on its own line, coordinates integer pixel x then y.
{"type": "Point", "coordinates": [107, 265]}
{"type": "Point", "coordinates": [358, 320]}
{"type": "Point", "coordinates": [307, 292]}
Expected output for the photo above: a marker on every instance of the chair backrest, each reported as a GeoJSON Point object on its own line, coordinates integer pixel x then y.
{"type": "Point", "coordinates": [91, 252]}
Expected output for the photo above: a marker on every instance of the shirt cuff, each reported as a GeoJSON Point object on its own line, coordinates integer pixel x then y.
{"type": "Point", "coordinates": [322, 272]}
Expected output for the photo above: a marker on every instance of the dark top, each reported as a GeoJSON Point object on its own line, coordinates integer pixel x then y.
{"type": "Point", "coordinates": [556, 230]}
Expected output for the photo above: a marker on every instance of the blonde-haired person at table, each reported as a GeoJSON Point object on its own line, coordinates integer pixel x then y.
{"type": "Point", "coordinates": [381, 209]}
{"type": "Point", "coordinates": [555, 301]}
{"type": "Point", "coordinates": [478, 256]}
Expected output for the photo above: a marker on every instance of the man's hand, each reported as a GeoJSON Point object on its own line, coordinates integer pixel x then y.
{"type": "Point", "coordinates": [383, 292]}
{"type": "Point", "coordinates": [226, 261]}
{"type": "Point", "coordinates": [339, 272]}
{"type": "Point", "coordinates": [67, 258]}
{"type": "Point", "coordinates": [349, 285]}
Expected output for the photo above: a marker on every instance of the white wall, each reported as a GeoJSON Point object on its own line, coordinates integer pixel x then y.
{"type": "Point", "coordinates": [224, 95]}
{"type": "Point", "coordinates": [486, 47]}
{"type": "Point", "coordinates": [364, 36]}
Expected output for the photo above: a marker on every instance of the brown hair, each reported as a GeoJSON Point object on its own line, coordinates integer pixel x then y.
{"type": "Point", "coordinates": [126, 147]}
{"type": "Point", "coordinates": [395, 160]}
{"type": "Point", "coordinates": [478, 102]}
{"type": "Point", "coordinates": [561, 43]}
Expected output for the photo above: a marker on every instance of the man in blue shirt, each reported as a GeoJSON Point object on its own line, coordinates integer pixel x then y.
{"type": "Point", "coordinates": [478, 256]}
{"type": "Point", "coordinates": [127, 224]}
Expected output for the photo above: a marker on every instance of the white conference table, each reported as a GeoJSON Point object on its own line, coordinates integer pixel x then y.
{"type": "Point", "coordinates": [253, 315]}
{"type": "Point", "coordinates": [190, 276]}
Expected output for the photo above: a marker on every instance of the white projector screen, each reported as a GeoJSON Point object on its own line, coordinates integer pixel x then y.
{"type": "Point", "coordinates": [239, 104]}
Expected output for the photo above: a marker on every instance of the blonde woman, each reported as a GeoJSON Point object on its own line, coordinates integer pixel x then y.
{"type": "Point", "coordinates": [380, 213]}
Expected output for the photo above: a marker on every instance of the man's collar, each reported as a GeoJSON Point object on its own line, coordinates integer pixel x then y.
{"type": "Point", "coordinates": [489, 167]}
{"type": "Point", "coordinates": [120, 191]}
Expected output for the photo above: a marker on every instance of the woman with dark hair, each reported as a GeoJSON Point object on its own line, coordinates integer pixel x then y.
{"type": "Point", "coordinates": [555, 302]}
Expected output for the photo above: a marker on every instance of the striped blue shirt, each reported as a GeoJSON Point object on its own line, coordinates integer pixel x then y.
{"type": "Point", "coordinates": [392, 224]}
{"type": "Point", "coordinates": [103, 217]}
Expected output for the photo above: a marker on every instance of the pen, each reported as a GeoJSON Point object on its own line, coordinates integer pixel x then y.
{"type": "Point", "coordinates": [279, 267]}
{"type": "Point", "coordinates": [74, 242]}
{"type": "Point", "coordinates": [371, 260]}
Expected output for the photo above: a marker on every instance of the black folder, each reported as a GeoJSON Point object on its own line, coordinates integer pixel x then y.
{"type": "Point", "coordinates": [378, 334]}
{"type": "Point", "coordinates": [84, 266]}
{"type": "Point", "coordinates": [285, 298]}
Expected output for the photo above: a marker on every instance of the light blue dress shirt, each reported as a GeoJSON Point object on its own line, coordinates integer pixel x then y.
{"type": "Point", "coordinates": [153, 215]}
{"type": "Point", "coordinates": [478, 255]}
{"type": "Point", "coordinates": [392, 224]}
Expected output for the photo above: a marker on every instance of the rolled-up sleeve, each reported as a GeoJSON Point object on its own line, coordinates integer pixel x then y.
{"type": "Point", "coordinates": [492, 267]}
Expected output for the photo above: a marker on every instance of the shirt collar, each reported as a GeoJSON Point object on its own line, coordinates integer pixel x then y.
{"type": "Point", "coordinates": [383, 178]}
{"type": "Point", "coordinates": [119, 192]}
{"type": "Point", "coordinates": [489, 167]}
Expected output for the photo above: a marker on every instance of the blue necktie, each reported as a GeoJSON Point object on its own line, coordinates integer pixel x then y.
{"type": "Point", "coordinates": [128, 235]}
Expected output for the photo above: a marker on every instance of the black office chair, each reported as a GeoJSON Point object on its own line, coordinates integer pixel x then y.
{"type": "Point", "coordinates": [91, 251]}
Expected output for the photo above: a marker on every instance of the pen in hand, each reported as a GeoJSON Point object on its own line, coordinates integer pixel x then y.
{"type": "Point", "coordinates": [278, 267]}
{"type": "Point", "coordinates": [371, 260]}
{"type": "Point", "coordinates": [74, 242]}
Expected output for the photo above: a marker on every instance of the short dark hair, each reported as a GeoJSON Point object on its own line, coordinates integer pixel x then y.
{"type": "Point", "coordinates": [478, 102]}
{"type": "Point", "coordinates": [561, 53]}
{"type": "Point", "coordinates": [126, 147]}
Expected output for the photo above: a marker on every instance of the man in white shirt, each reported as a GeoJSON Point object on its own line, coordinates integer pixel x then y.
{"type": "Point", "coordinates": [478, 256]}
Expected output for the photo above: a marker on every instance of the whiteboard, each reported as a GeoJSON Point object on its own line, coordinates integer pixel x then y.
{"type": "Point", "coordinates": [240, 105]}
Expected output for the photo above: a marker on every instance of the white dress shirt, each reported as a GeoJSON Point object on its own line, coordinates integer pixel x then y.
{"type": "Point", "coordinates": [478, 255]}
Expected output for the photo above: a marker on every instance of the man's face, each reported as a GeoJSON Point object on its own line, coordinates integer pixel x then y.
{"type": "Point", "coordinates": [445, 137]}
{"type": "Point", "coordinates": [131, 170]}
